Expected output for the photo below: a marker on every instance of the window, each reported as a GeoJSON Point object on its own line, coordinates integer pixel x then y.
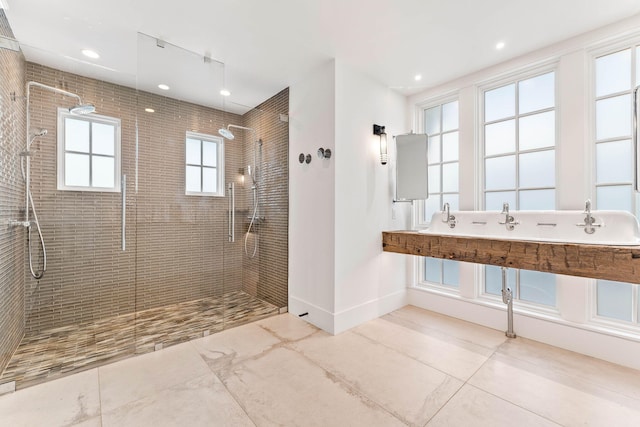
{"type": "Point", "coordinates": [441, 124]}
{"type": "Point", "coordinates": [519, 128]}
{"type": "Point", "coordinates": [614, 80]}
{"type": "Point", "coordinates": [519, 144]}
{"type": "Point", "coordinates": [204, 173]}
{"type": "Point", "coordinates": [616, 74]}
{"type": "Point", "coordinates": [88, 152]}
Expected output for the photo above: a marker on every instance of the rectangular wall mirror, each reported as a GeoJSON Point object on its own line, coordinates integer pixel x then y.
{"type": "Point", "coordinates": [411, 167]}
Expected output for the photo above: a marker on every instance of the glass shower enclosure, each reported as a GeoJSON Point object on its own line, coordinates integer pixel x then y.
{"type": "Point", "coordinates": [159, 258]}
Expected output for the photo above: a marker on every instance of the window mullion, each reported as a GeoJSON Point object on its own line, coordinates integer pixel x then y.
{"type": "Point", "coordinates": [202, 165]}
{"type": "Point", "coordinates": [90, 154]}
{"type": "Point", "coordinates": [517, 155]}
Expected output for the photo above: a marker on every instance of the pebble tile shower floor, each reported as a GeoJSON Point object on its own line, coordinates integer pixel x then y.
{"type": "Point", "coordinates": [57, 352]}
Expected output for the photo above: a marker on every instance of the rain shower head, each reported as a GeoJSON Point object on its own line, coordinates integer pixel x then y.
{"type": "Point", "coordinates": [226, 133]}
{"type": "Point", "coordinates": [82, 109]}
{"type": "Point", "coordinates": [229, 135]}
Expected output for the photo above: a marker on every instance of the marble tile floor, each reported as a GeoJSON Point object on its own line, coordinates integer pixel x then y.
{"type": "Point", "coordinates": [57, 352]}
{"type": "Point", "coordinates": [410, 367]}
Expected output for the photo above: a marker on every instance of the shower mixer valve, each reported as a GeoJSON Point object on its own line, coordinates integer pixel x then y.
{"type": "Point", "coordinates": [16, 223]}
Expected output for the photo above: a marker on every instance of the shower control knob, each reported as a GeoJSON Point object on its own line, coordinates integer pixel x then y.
{"type": "Point", "coordinates": [324, 153]}
{"type": "Point", "coordinates": [308, 158]}
{"type": "Point", "coordinates": [301, 158]}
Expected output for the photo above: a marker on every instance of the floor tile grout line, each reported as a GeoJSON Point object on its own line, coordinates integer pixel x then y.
{"type": "Point", "coordinates": [464, 382]}
{"type": "Point", "coordinates": [100, 396]}
{"type": "Point", "coordinates": [236, 399]}
{"type": "Point", "coordinates": [156, 391]}
{"type": "Point", "coordinates": [418, 325]}
{"type": "Point", "coordinates": [561, 376]}
{"type": "Point", "coordinates": [495, 352]}
{"type": "Point", "coordinates": [531, 369]}
{"type": "Point", "coordinates": [346, 384]}
{"type": "Point", "coordinates": [514, 404]}
{"type": "Point", "coordinates": [422, 362]}
{"type": "Point", "coordinates": [233, 396]}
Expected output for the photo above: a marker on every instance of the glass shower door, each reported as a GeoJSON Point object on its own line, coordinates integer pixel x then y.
{"type": "Point", "coordinates": [182, 202]}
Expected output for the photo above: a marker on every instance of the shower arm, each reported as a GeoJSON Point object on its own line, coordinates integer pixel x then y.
{"type": "Point", "coordinates": [28, 132]}
{"type": "Point", "coordinates": [244, 128]}
{"type": "Point", "coordinates": [50, 89]}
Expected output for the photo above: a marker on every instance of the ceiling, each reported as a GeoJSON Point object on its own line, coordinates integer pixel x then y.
{"type": "Point", "coordinates": [266, 46]}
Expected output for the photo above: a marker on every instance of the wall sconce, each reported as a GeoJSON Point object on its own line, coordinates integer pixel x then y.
{"type": "Point", "coordinates": [379, 130]}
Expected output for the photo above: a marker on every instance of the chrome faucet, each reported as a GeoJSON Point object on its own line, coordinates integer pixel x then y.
{"type": "Point", "coordinates": [509, 221]}
{"type": "Point", "coordinates": [447, 217]}
{"type": "Point", "coordinates": [589, 223]}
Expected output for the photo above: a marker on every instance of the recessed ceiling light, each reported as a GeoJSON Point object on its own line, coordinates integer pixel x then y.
{"type": "Point", "coordinates": [225, 92]}
{"type": "Point", "coordinates": [499, 45]}
{"type": "Point", "coordinates": [149, 110]}
{"type": "Point", "coordinates": [90, 53]}
{"type": "Point", "coordinates": [418, 77]}
{"type": "Point", "coordinates": [163, 86]}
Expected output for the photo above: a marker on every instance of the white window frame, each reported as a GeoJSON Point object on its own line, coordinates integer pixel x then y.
{"type": "Point", "coordinates": [515, 78]}
{"type": "Point", "coordinates": [482, 88]}
{"type": "Point", "coordinates": [219, 165]}
{"type": "Point", "coordinates": [64, 113]}
{"type": "Point", "coordinates": [603, 50]}
{"type": "Point", "coordinates": [632, 43]}
{"type": "Point", "coordinates": [420, 220]}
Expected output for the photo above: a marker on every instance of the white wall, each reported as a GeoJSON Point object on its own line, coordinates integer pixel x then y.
{"type": "Point", "coordinates": [311, 197]}
{"type": "Point", "coordinates": [369, 282]}
{"type": "Point", "coordinates": [571, 327]}
{"type": "Point", "coordinates": [338, 272]}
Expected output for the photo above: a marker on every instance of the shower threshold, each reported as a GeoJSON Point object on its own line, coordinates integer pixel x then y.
{"type": "Point", "coordinates": [57, 352]}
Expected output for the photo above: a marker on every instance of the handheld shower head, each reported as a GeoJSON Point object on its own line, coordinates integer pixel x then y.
{"type": "Point", "coordinates": [34, 135]}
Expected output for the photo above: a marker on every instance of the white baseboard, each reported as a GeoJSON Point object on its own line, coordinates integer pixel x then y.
{"type": "Point", "coordinates": [317, 316]}
{"type": "Point", "coordinates": [557, 333]}
{"type": "Point", "coordinates": [354, 316]}
{"type": "Point", "coordinates": [335, 323]}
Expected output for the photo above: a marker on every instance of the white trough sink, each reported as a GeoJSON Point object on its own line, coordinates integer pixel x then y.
{"type": "Point", "coordinates": [613, 228]}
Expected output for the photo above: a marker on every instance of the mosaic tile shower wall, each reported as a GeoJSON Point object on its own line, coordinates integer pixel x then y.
{"type": "Point", "coordinates": [88, 276]}
{"type": "Point", "coordinates": [266, 274]}
{"type": "Point", "coordinates": [177, 249]}
{"type": "Point", "coordinates": [183, 252]}
{"type": "Point", "coordinates": [12, 241]}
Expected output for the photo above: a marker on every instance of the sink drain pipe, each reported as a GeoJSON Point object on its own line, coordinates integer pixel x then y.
{"type": "Point", "coordinates": [507, 298]}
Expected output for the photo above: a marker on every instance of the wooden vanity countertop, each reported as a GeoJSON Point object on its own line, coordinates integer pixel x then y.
{"type": "Point", "coordinates": [619, 263]}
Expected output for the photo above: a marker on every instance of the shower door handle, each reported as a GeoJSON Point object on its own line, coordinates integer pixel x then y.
{"type": "Point", "coordinates": [123, 190]}
{"type": "Point", "coordinates": [636, 153]}
{"type": "Point", "coordinates": [232, 211]}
